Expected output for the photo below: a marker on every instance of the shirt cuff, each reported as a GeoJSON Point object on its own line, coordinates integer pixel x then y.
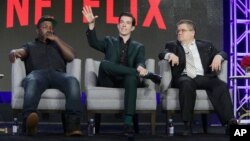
{"type": "Point", "coordinates": [166, 57]}
{"type": "Point", "coordinates": [222, 59]}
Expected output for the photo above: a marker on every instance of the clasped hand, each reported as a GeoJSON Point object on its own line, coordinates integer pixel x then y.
{"type": "Point", "coordinates": [142, 71]}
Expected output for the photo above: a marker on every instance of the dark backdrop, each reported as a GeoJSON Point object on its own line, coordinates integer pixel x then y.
{"type": "Point", "coordinates": [207, 14]}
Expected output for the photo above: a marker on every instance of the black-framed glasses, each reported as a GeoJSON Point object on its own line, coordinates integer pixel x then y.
{"type": "Point", "coordinates": [182, 30]}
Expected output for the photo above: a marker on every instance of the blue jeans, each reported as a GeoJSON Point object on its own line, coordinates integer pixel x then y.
{"type": "Point", "coordinates": [39, 80]}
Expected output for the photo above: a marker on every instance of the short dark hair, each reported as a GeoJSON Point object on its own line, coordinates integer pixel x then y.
{"type": "Point", "coordinates": [128, 14]}
{"type": "Point", "coordinates": [46, 18]}
{"type": "Point", "coordinates": [188, 22]}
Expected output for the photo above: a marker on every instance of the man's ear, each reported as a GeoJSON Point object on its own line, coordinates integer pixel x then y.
{"type": "Point", "coordinates": [118, 26]}
{"type": "Point", "coordinates": [194, 33]}
{"type": "Point", "coordinates": [133, 28]}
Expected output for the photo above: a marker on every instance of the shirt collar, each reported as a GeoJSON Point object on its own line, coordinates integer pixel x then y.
{"type": "Point", "coordinates": [191, 44]}
{"type": "Point", "coordinates": [38, 40]}
{"type": "Point", "coordinates": [121, 40]}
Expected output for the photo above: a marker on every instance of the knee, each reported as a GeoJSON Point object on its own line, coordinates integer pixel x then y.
{"type": "Point", "coordinates": [72, 86]}
{"type": "Point", "coordinates": [187, 86]}
{"type": "Point", "coordinates": [72, 82]}
{"type": "Point", "coordinates": [188, 83]}
{"type": "Point", "coordinates": [104, 64]}
{"type": "Point", "coordinates": [222, 86]}
{"type": "Point", "coordinates": [131, 77]}
{"type": "Point", "coordinates": [31, 83]}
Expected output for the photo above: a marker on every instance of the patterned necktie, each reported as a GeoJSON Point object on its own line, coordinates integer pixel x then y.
{"type": "Point", "coordinates": [190, 67]}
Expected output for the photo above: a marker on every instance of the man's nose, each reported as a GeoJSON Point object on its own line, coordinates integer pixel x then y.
{"type": "Point", "coordinates": [123, 24]}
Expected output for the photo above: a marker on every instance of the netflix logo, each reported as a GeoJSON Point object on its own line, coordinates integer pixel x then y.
{"type": "Point", "coordinates": [21, 8]}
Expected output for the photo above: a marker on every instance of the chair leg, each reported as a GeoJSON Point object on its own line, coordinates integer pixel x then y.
{"type": "Point", "coordinates": [97, 123]}
{"type": "Point", "coordinates": [204, 122]}
{"type": "Point", "coordinates": [166, 123]}
{"type": "Point", "coordinates": [15, 114]}
{"type": "Point", "coordinates": [136, 123]}
{"type": "Point", "coordinates": [153, 119]}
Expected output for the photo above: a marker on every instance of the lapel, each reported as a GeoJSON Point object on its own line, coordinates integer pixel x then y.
{"type": "Point", "coordinates": [131, 47]}
{"type": "Point", "coordinates": [202, 52]}
{"type": "Point", "coordinates": [117, 46]}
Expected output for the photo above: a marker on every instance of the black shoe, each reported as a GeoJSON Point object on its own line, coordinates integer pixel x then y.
{"type": "Point", "coordinates": [187, 129]}
{"type": "Point", "coordinates": [128, 131]}
{"type": "Point", "coordinates": [229, 123]}
{"type": "Point", "coordinates": [227, 129]}
{"type": "Point", "coordinates": [233, 121]}
{"type": "Point", "coordinates": [154, 77]}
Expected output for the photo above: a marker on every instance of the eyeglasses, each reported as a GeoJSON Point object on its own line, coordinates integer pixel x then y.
{"type": "Point", "coordinates": [182, 30]}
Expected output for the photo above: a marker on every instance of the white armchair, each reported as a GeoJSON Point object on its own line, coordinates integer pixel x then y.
{"type": "Point", "coordinates": [51, 99]}
{"type": "Point", "coordinates": [111, 100]}
{"type": "Point", "coordinates": [170, 99]}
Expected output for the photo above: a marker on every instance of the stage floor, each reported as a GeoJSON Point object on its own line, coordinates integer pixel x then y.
{"type": "Point", "coordinates": [53, 132]}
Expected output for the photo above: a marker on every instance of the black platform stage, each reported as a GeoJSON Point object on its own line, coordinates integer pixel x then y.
{"type": "Point", "coordinates": [53, 132]}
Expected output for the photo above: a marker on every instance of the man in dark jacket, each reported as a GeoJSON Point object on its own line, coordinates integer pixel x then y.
{"type": "Point", "coordinates": [124, 60]}
{"type": "Point", "coordinates": [194, 65]}
{"type": "Point", "coordinates": [45, 62]}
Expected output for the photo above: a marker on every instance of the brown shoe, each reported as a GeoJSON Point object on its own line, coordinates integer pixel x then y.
{"type": "Point", "coordinates": [74, 133]}
{"type": "Point", "coordinates": [31, 124]}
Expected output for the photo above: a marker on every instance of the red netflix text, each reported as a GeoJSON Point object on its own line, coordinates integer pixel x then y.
{"type": "Point", "coordinates": [22, 9]}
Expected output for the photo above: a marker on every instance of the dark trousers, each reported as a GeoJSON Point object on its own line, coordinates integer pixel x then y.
{"type": "Point", "coordinates": [116, 75]}
{"type": "Point", "coordinates": [39, 80]}
{"type": "Point", "coordinates": [216, 89]}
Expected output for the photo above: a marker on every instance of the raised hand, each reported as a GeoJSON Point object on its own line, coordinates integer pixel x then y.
{"type": "Point", "coordinates": [88, 14]}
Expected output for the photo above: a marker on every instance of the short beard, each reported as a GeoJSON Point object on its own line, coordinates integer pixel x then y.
{"type": "Point", "coordinates": [42, 38]}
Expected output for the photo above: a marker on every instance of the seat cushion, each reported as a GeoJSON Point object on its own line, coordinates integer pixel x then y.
{"type": "Point", "coordinates": [170, 100]}
{"type": "Point", "coordinates": [47, 94]}
{"type": "Point", "coordinates": [103, 98]}
{"type": "Point", "coordinates": [51, 99]}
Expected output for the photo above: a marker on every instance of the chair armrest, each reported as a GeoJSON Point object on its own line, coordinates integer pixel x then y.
{"type": "Point", "coordinates": [73, 68]}
{"type": "Point", "coordinates": [18, 73]}
{"type": "Point", "coordinates": [150, 66]}
{"type": "Point", "coordinates": [1, 76]}
{"type": "Point", "coordinates": [90, 78]}
{"type": "Point", "coordinates": [223, 73]}
{"type": "Point", "coordinates": [165, 72]}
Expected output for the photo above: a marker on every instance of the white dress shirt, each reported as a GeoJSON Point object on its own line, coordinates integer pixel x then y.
{"type": "Point", "coordinates": [197, 59]}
